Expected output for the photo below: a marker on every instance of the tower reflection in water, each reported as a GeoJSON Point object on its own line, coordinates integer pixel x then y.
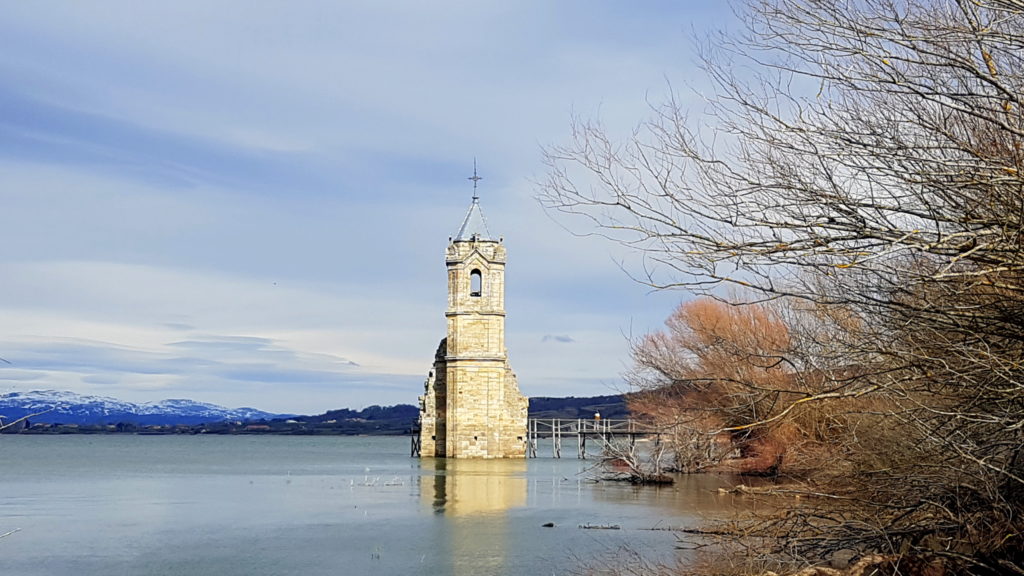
{"type": "Point", "coordinates": [472, 497]}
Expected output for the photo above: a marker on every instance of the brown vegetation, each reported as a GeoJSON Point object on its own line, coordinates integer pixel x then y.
{"type": "Point", "coordinates": [864, 192]}
{"type": "Point", "coordinates": [714, 370]}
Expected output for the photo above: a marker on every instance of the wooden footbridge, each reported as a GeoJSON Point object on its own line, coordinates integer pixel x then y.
{"type": "Point", "coordinates": [580, 429]}
{"type": "Point", "coordinates": [603, 430]}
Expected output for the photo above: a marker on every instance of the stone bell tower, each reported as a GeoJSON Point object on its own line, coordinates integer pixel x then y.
{"type": "Point", "coordinates": [472, 407]}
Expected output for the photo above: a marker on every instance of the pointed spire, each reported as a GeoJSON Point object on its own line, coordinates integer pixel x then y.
{"type": "Point", "coordinates": [474, 225]}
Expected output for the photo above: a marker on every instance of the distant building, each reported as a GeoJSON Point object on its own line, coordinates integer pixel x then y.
{"type": "Point", "coordinates": [472, 406]}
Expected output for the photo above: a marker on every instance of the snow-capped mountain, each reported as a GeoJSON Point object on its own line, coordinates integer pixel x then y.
{"type": "Point", "coordinates": [70, 408]}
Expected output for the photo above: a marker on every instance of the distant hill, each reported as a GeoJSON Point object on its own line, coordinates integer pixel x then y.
{"type": "Point", "coordinates": [400, 419]}
{"type": "Point", "coordinates": [540, 407]}
{"type": "Point", "coordinates": [373, 420]}
{"type": "Point", "coordinates": [609, 406]}
{"type": "Point", "coordinates": [70, 408]}
{"type": "Point", "coordinates": [108, 414]}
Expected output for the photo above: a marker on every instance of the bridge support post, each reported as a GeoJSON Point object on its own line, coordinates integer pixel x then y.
{"type": "Point", "coordinates": [531, 438]}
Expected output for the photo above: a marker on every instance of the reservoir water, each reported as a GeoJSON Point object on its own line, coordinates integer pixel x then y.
{"type": "Point", "coordinates": [272, 505]}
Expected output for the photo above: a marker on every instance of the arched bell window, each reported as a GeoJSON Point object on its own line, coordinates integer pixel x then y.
{"type": "Point", "coordinates": [476, 282]}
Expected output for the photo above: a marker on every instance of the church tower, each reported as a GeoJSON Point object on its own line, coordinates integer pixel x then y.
{"type": "Point", "coordinates": [472, 407]}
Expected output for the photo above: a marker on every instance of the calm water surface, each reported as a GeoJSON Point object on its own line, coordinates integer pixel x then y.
{"type": "Point", "coordinates": [269, 505]}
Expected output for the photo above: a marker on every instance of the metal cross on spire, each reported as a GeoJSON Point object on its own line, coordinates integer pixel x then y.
{"type": "Point", "coordinates": [475, 179]}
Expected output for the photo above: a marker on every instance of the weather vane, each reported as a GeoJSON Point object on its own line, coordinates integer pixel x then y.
{"type": "Point", "coordinates": [475, 179]}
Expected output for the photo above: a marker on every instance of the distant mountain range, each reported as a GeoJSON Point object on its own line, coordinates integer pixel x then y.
{"type": "Point", "coordinates": [69, 408]}
{"type": "Point", "coordinates": [60, 407]}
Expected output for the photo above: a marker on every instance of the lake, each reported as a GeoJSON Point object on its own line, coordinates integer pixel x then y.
{"type": "Point", "coordinates": [271, 505]}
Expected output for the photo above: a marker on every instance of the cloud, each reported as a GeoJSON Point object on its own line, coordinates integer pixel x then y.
{"type": "Point", "coordinates": [17, 375]}
{"type": "Point", "coordinates": [179, 326]}
{"type": "Point", "coordinates": [249, 204]}
{"type": "Point", "coordinates": [37, 130]}
{"type": "Point", "coordinates": [102, 328]}
{"type": "Point", "coordinates": [224, 367]}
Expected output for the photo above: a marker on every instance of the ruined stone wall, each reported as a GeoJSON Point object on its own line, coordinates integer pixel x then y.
{"type": "Point", "coordinates": [434, 406]}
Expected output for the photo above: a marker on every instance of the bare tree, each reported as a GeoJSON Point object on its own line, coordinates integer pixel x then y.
{"type": "Point", "coordinates": [625, 460]}
{"type": "Point", "coordinates": [864, 162]}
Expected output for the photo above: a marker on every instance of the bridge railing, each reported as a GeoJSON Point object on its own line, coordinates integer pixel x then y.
{"type": "Point", "coordinates": [605, 429]}
{"type": "Point", "coordinates": [545, 427]}
{"type": "Point", "coordinates": [581, 428]}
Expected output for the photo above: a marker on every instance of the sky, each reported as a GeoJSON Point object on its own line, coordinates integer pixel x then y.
{"type": "Point", "coordinates": [248, 203]}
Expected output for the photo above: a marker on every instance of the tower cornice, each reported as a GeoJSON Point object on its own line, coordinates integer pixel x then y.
{"type": "Point", "coordinates": [489, 251]}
